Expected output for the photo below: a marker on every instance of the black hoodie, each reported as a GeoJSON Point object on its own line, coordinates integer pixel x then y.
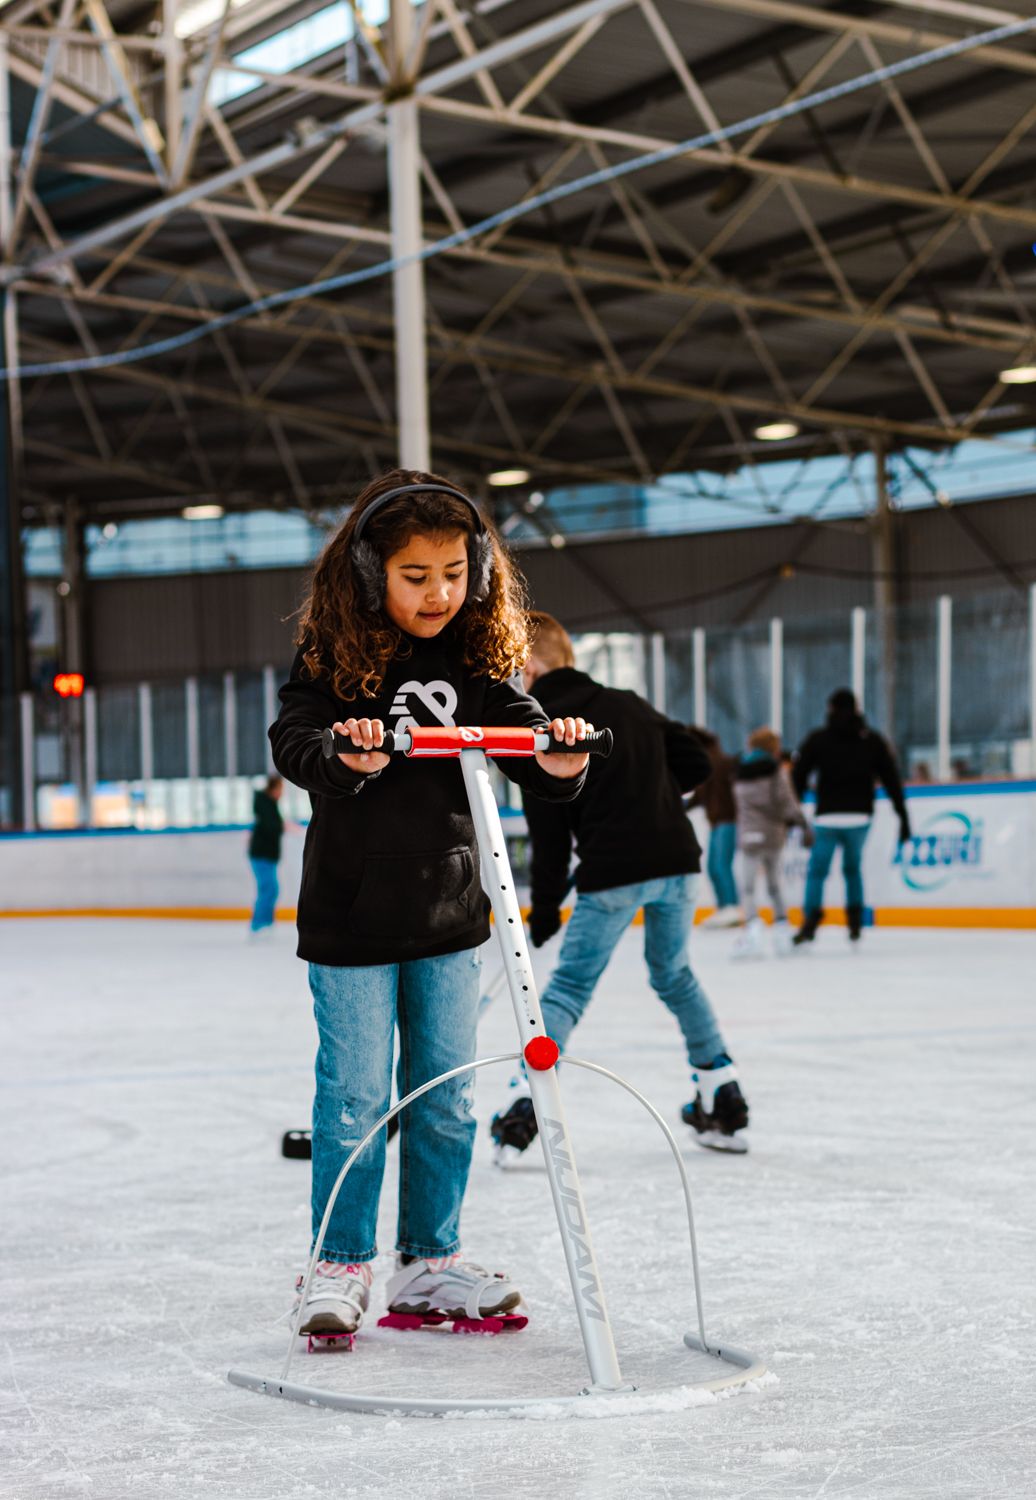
{"type": "Point", "coordinates": [629, 824]}
{"type": "Point", "coordinates": [849, 758]}
{"type": "Point", "coordinates": [391, 866]}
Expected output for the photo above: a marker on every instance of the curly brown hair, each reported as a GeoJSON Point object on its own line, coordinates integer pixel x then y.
{"type": "Point", "coordinates": [340, 635]}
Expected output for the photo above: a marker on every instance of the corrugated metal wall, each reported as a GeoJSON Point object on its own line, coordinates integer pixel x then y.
{"type": "Point", "coordinates": [149, 628]}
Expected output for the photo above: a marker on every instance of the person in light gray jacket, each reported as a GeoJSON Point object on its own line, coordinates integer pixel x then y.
{"type": "Point", "coordinates": [766, 808]}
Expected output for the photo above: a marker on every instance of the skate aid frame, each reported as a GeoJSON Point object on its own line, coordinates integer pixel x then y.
{"type": "Point", "coordinates": [471, 745]}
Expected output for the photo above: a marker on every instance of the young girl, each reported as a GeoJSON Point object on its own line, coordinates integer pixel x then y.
{"type": "Point", "coordinates": [414, 617]}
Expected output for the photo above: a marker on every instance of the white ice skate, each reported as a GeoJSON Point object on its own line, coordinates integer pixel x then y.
{"type": "Point", "coordinates": [725, 916]}
{"type": "Point", "coordinates": [781, 936]}
{"type": "Point", "coordinates": [451, 1290]}
{"type": "Point", "coordinates": [749, 943]}
{"type": "Point", "coordinates": [338, 1298]}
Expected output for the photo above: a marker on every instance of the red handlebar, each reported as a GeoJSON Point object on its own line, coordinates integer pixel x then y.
{"type": "Point", "coordinates": [451, 740]}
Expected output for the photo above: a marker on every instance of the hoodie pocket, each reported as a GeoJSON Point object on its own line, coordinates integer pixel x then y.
{"type": "Point", "coordinates": [415, 897]}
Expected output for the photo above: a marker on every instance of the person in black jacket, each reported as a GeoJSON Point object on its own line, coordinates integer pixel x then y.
{"type": "Point", "coordinates": [636, 849]}
{"type": "Point", "coordinates": [264, 851]}
{"type": "Point", "coordinates": [414, 618]}
{"type": "Point", "coordinates": [848, 758]}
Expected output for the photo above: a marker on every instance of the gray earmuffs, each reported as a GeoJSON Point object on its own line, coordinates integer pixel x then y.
{"type": "Point", "coordinates": [370, 570]}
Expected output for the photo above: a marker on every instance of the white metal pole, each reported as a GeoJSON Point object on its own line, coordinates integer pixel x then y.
{"type": "Point", "coordinates": [859, 655]}
{"type": "Point", "coordinates": [1032, 679]}
{"type": "Point", "coordinates": [89, 756]}
{"type": "Point", "coordinates": [777, 675]}
{"type": "Point", "coordinates": [147, 740]}
{"type": "Point", "coordinates": [698, 648]}
{"type": "Point", "coordinates": [230, 738]}
{"type": "Point", "coordinates": [193, 745]}
{"type": "Point", "coordinates": [658, 693]}
{"type": "Point", "coordinates": [28, 762]}
{"type": "Point", "coordinates": [404, 162]}
{"type": "Point", "coordinates": [546, 1094]}
{"type": "Point", "coordinates": [944, 686]}
{"type": "Point", "coordinates": [269, 710]}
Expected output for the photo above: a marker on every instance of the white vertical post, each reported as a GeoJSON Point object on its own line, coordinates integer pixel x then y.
{"type": "Point", "coordinates": [404, 163]}
{"type": "Point", "coordinates": [28, 762]}
{"type": "Point", "coordinates": [543, 1085]}
{"type": "Point", "coordinates": [193, 744]}
{"type": "Point", "coordinates": [698, 649]}
{"type": "Point", "coordinates": [230, 740]}
{"type": "Point", "coordinates": [944, 687]}
{"type": "Point", "coordinates": [658, 670]}
{"type": "Point", "coordinates": [859, 655]}
{"type": "Point", "coordinates": [1032, 679]}
{"type": "Point", "coordinates": [86, 817]}
{"type": "Point", "coordinates": [777, 675]}
{"type": "Point", "coordinates": [147, 740]}
{"type": "Point", "coordinates": [269, 710]}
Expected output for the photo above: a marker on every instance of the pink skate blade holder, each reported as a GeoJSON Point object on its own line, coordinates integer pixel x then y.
{"type": "Point", "coordinates": [542, 1053]}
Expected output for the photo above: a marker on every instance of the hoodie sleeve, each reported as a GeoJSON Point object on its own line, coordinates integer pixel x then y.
{"type": "Point", "coordinates": [507, 703]}
{"type": "Point", "coordinates": [308, 706]}
{"type": "Point", "coordinates": [550, 846]}
{"type": "Point", "coordinates": [888, 773]}
{"type": "Point", "coordinates": [686, 755]}
{"type": "Point", "coordinates": [804, 765]}
{"type": "Point", "coordinates": [788, 807]}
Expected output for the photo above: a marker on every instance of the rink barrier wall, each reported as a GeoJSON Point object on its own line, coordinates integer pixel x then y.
{"type": "Point", "coordinates": [971, 863]}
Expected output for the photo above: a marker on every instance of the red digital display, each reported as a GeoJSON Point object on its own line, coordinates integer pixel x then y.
{"type": "Point", "coordinates": [69, 684]}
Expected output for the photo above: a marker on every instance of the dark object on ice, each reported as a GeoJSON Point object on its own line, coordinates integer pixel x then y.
{"type": "Point", "coordinates": [516, 1126]}
{"type": "Point", "coordinates": [808, 931]}
{"type": "Point", "coordinates": [854, 918]}
{"type": "Point", "coordinates": [298, 1144]}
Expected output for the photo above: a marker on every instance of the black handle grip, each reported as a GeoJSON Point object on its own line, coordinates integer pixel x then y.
{"type": "Point", "coordinates": [597, 742]}
{"type": "Point", "coordinates": [334, 743]}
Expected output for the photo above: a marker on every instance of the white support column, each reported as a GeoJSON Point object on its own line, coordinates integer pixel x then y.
{"type": "Point", "coordinates": [658, 694]}
{"type": "Point", "coordinates": [269, 710]}
{"type": "Point", "coordinates": [777, 675]}
{"type": "Point", "coordinates": [1032, 679]}
{"type": "Point", "coordinates": [859, 655]}
{"type": "Point", "coordinates": [698, 650]}
{"type": "Point", "coordinates": [404, 161]}
{"type": "Point", "coordinates": [28, 762]}
{"type": "Point", "coordinates": [86, 812]}
{"type": "Point", "coordinates": [944, 687]}
{"type": "Point", "coordinates": [147, 740]}
{"type": "Point", "coordinates": [229, 724]}
{"type": "Point", "coordinates": [193, 745]}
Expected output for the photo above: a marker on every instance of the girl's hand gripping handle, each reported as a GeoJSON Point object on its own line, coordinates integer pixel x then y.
{"type": "Point", "coordinates": [365, 736]}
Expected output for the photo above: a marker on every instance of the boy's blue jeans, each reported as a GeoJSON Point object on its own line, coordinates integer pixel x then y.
{"type": "Point", "coordinates": [851, 842]}
{"type": "Point", "coordinates": [596, 925]}
{"type": "Point", "coordinates": [434, 1002]}
{"type": "Point", "coordinates": [266, 890]}
{"type": "Point", "coordinates": [722, 843]}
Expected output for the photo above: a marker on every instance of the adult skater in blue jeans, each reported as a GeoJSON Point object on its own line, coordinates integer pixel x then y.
{"type": "Point", "coordinates": [847, 758]}
{"type": "Point", "coordinates": [637, 849]}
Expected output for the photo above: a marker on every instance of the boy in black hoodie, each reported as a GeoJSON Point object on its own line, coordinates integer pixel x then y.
{"type": "Point", "coordinates": [636, 850]}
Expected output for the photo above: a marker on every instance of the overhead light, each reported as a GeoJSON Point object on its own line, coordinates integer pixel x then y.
{"type": "Point", "coordinates": [535, 500]}
{"type": "Point", "coordinates": [557, 540]}
{"type": "Point", "coordinates": [110, 531]}
{"type": "Point", "coordinates": [776, 432]}
{"type": "Point", "coordinates": [504, 477]}
{"type": "Point", "coordinates": [1020, 375]}
{"type": "Point", "coordinates": [202, 512]}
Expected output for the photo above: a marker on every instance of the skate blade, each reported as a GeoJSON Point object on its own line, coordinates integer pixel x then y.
{"type": "Point", "coordinates": [322, 1343]}
{"type": "Point", "coordinates": [715, 1140]}
{"type": "Point", "coordinates": [506, 1156]}
{"type": "Point", "coordinates": [497, 1323]}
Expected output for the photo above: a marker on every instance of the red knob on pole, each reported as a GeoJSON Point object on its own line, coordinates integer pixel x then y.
{"type": "Point", "coordinates": [542, 1053]}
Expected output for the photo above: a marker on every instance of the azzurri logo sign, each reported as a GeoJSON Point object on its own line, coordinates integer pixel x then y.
{"type": "Point", "coordinates": [949, 844]}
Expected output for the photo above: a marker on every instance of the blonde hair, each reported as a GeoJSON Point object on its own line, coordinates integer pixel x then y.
{"type": "Point", "coordinates": [353, 645]}
{"type": "Point", "coordinates": [549, 641]}
{"type": "Point", "coordinates": [765, 739]}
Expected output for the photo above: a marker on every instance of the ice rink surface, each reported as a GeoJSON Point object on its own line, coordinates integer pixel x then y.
{"type": "Point", "coordinates": [876, 1248]}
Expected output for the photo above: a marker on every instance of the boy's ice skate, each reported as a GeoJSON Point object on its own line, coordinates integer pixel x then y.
{"type": "Point", "coordinates": [750, 943]}
{"type": "Point", "coordinates": [514, 1129]}
{"type": "Point", "coordinates": [338, 1298]}
{"type": "Point", "coordinates": [718, 1110]}
{"type": "Point", "coordinates": [782, 939]}
{"type": "Point", "coordinates": [724, 916]}
{"type": "Point", "coordinates": [451, 1290]}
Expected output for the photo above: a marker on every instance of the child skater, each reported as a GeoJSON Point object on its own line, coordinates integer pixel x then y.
{"type": "Point", "coordinates": [414, 617]}
{"type": "Point", "coordinates": [766, 808]}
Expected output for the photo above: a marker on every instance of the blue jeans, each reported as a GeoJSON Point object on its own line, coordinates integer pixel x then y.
{"type": "Point", "coordinates": [266, 891]}
{"type": "Point", "coordinates": [851, 842]}
{"type": "Point", "coordinates": [596, 925]}
{"type": "Point", "coordinates": [434, 1002]}
{"type": "Point", "coordinates": [722, 843]}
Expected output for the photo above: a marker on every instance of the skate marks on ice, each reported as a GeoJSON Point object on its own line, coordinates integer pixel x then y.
{"type": "Point", "coordinates": [875, 1245]}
